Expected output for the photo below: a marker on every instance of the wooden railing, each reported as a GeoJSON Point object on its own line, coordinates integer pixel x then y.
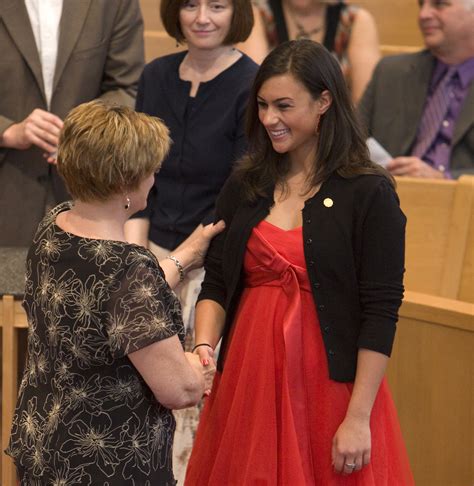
{"type": "Point", "coordinates": [431, 372]}
{"type": "Point", "coordinates": [12, 319]}
{"type": "Point", "coordinates": [440, 236]}
{"type": "Point", "coordinates": [431, 375]}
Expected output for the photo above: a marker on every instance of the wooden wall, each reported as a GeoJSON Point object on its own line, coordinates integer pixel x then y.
{"type": "Point", "coordinates": [157, 41]}
{"type": "Point", "coordinates": [396, 20]}
{"type": "Point", "coordinates": [431, 375]}
{"type": "Point", "coordinates": [439, 254]}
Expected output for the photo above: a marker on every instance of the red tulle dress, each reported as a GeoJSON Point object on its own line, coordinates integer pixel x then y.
{"type": "Point", "coordinates": [273, 412]}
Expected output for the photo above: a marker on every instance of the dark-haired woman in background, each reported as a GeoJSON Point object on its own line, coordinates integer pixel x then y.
{"type": "Point", "coordinates": [201, 95]}
{"type": "Point", "coordinates": [304, 288]}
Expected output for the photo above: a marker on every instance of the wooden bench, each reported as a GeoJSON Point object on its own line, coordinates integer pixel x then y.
{"type": "Point", "coordinates": [431, 375]}
{"type": "Point", "coordinates": [12, 319]}
{"type": "Point", "coordinates": [431, 372]}
{"type": "Point", "coordinates": [440, 236]}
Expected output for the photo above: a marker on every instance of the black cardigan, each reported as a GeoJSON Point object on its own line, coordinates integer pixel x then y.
{"type": "Point", "coordinates": [354, 252]}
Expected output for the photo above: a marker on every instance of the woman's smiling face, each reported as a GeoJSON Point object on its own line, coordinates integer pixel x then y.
{"type": "Point", "coordinates": [289, 114]}
{"type": "Point", "coordinates": [206, 23]}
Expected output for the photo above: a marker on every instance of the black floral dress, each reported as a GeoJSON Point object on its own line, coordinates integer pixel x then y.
{"type": "Point", "coordinates": [84, 414]}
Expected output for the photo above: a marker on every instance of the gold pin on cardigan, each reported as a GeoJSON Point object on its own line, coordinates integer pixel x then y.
{"type": "Point", "coordinates": [328, 202]}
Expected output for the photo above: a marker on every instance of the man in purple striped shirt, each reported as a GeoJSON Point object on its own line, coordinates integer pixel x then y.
{"type": "Point", "coordinates": [420, 106]}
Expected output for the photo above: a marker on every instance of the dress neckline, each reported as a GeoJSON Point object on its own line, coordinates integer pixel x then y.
{"type": "Point", "coordinates": [297, 228]}
{"type": "Point", "coordinates": [67, 206]}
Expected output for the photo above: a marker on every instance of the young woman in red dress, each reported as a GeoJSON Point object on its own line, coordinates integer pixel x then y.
{"type": "Point", "coordinates": [303, 287]}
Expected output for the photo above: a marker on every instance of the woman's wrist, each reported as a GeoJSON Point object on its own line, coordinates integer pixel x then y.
{"type": "Point", "coordinates": [186, 257]}
{"type": "Point", "coordinates": [358, 416]}
{"type": "Point", "coordinates": [179, 267]}
{"type": "Point", "coordinates": [201, 344]}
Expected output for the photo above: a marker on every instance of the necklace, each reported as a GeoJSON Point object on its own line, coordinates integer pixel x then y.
{"type": "Point", "coordinates": [305, 34]}
{"type": "Point", "coordinates": [302, 33]}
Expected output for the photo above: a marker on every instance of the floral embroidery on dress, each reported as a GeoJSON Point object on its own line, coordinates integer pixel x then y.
{"type": "Point", "coordinates": [84, 414]}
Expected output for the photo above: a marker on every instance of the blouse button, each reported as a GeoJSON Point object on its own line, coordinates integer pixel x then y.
{"type": "Point", "coordinates": [321, 307]}
{"type": "Point", "coordinates": [308, 221]}
{"type": "Point", "coordinates": [316, 285]}
{"type": "Point", "coordinates": [331, 352]}
{"type": "Point", "coordinates": [326, 329]}
{"type": "Point", "coordinates": [311, 263]}
{"type": "Point", "coordinates": [309, 241]}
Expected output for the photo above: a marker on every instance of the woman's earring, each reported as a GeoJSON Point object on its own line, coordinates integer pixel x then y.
{"type": "Point", "coordinates": [316, 131]}
{"type": "Point", "coordinates": [127, 203]}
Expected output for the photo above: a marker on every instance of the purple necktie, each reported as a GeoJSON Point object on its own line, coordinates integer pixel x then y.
{"type": "Point", "coordinates": [433, 115]}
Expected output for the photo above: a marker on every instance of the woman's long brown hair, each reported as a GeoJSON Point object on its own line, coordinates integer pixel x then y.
{"type": "Point", "coordinates": [341, 145]}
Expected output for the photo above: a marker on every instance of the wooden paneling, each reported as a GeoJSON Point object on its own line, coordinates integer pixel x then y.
{"type": "Point", "coordinates": [427, 231]}
{"type": "Point", "coordinates": [466, 288]}
{"type": "Point", "coordinates": [157, 41]}
{"type": "Point", "coordinates": [440, 236]}
{"type": "Point", "coordinates": [151, 14]}
{"type": "Point", "coordinates": [396, 21]}
{"type": "Point", "coordinates": [12, 317]}
{"type": "Point", "coordinates": [431, 376]}
{"type": "Point", "coordinates": [159, 44]}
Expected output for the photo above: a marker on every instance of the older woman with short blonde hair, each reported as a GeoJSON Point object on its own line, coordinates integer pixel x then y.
{"type": "Point", "coordinates": [105, 346]}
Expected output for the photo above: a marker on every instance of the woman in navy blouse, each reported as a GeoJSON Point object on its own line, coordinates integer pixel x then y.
{"type": "Point", "coordinates": [201, 95]}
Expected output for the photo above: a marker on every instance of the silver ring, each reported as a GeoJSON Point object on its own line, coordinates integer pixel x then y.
{"type": "Point", "coordinates": [352, 466]}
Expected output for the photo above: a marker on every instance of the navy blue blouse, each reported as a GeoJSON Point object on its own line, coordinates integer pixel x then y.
{"type": "Point", "coordinates": [208, 136]}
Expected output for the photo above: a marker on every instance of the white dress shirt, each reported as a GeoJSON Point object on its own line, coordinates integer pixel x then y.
{"type": "Point", "coordinates": [44, 17]}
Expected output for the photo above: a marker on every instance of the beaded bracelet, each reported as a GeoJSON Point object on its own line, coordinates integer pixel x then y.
{"type": "Point", "coordinates": [201, 344]}
{"type": "Point", "coordinates": [178, 266]}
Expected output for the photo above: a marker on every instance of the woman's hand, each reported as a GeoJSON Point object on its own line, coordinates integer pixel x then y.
{"type": "Point", "coordinates": [209, 372]}
{"type": "Point", "coordinates": [199, 243]}
{"type": "Point", "coordinates": [351, 445]}
{"type": "Point", "coordinates": [352, 442]}
{"type": "Point", "coordinates": [206, 371]}
{"type": "Point", "coordinates": [190, 254]}
{"type": "Point", "coordinates": [206, 357]}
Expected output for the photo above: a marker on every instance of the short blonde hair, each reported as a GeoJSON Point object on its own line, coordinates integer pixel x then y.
{"type": "Point", "coordinates": [105, 150]}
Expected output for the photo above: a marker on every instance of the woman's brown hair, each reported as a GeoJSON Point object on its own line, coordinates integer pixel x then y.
{"type": "Point", "coordinates": [341, 144]}
{"type": "Point", "coordinates": [240, 27]}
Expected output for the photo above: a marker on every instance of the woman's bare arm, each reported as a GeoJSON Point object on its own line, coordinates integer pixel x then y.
{"type": "Point", "coordinates": [352, 441]}
{"type": "Point", "coordinates": [177, 379]}
{"type": "Point", "coordinates": [256, 46]}
{"type": "Point", "coordinates": [208, 328]}
{"type": "Point", "coordinates": [363, 52]}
